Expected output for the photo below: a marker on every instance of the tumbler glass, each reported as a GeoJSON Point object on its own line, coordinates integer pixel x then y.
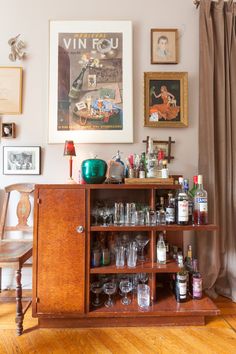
{"type": "Point", "coordinates": [120, 256]}
{"type": "Point", "coordinates": [143, 294]}
{"type": "Point", "coordinates": [132, 254]}
{"type": "Point", "coordinates": [119, 216]}
{"type": "Point", "coordinates": [151, 217]}
{"type": "Point", "coordinates": [139, 217]}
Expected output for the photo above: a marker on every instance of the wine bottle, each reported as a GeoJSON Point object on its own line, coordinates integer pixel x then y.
{"type": "Point", "coordinates": [181, 284]}
{"type": "Point", "coordinates": [196, 281]}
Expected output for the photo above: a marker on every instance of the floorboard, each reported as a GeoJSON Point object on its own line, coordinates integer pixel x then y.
{"type": "Point", "coordinates": [218, 336]}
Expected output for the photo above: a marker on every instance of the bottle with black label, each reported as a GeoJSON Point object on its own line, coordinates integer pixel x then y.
{"type": "Point", "coordinates": [181, 284]}
{"type": "Point", "coordinates": [170, 210]}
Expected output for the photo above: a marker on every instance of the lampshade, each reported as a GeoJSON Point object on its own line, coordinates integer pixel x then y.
{"type": "Point", "coordinates": [69, 148]}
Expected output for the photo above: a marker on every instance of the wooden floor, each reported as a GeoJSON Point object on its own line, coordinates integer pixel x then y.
{"type": "Point", "coordinates": [217, 337]}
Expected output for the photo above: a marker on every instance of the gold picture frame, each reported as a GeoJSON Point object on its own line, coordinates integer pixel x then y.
{"type": "Point", "coordinates": [166, 99]}
{"type": "Point", "coordinates": [164, 46]}
{"type": "Point", "coordinates": [11, 90]}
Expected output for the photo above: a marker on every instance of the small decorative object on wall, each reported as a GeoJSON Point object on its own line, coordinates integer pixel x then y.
{"type": "Point", "coordinates": [164, 145]}
{"type": "Point", "coordinates": [90, 90]}
{"type": "Point", "coordinates": [166, 99]}
{"type": "Point", "coordinates": [164, 48]}
{"type": "Point", "coordinates": [21, 160]}
{"type": "Point", "coordinates": [17, 46]}
{"type": "Point", "coordinates": [8, 130]}
{"type": "Point", "coordinates": [10, 90]}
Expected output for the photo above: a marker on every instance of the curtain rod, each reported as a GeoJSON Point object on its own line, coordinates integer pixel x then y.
{"type": "Point", "coordinates": [197, 2]}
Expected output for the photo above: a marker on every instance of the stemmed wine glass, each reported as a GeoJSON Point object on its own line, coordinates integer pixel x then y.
{"type": "Point", "coordinates": [143, 277]}
{"type": "Point", "coordinates": [125, 287]}
{"type": "Point", "coordinates": [109, 289]}
{"type": "Point", "coordinates": [142, 241]}
{"type": "Point", "coordinates": [96, 288]}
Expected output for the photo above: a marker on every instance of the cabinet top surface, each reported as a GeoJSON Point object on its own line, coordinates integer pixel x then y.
{"type": "Point", "coordinates": [108, 186]}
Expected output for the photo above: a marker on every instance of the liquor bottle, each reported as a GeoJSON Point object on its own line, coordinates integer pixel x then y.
{"type": "Point", "coordinates": [196, 281]}
{"type": "Point", "coordinates": [167, 245]}
{"type": "Point", "coordinates": [170, 210]}
{"type": "Point", "coordinates": [190, 201]}
{"type": "Point", "coordinates": [151, 161]}
{"type": "Point", "coordinates": [194, 188]}
{"type": "Point", "coordinates": [142, 166]}
{"type": "Point", "coordinates": [161, 214]}
{"type": "Point", "coordinates": [161, 250]}
{"type": "Point", "coordinates": [200, 204]}
{"type": "Point", "coordinates": [182, 205]}
{"type": "Point", "coordinates": [181, 284]}
{"type": "Point", "coordinates": [164, 170]}
{"type": "Point", "coordinates": [160, 160]}
{"type": "Point", "coordinates": [189, 258]}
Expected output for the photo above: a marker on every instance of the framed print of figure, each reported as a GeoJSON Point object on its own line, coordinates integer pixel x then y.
{"type": "Point", "coordinates": [166, 99]}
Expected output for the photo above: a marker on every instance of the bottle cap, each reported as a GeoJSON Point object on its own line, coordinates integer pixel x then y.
{"type": "Point", "coordinates": [181, 180]}
{"type": "Point", "coordinates": [199, 179]}
{"type": "Point", "coordinates": [195, 179]}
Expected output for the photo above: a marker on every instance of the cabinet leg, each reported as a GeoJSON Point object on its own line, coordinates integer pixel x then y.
{"type": "Point", "coordinates": [19, 312]}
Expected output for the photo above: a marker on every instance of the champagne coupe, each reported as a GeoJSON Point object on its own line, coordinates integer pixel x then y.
{"type": "Point", "coordinates": [142, 241]}
{"type": "Point", "coordinates": [125, 287]}
{"type": "Point", "coordinates": [96, 288]}
{"type": "Point", "coordinates": [109, 289]}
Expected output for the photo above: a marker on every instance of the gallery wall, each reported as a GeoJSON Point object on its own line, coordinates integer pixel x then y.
{"type": "Point", "coordinates": [31, 20]}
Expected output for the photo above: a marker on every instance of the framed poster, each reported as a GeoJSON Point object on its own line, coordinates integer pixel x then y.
{"type": "Point", "coordinates": [166, 99]}
{"type": "Point", "coordinates": [10, 90]}
{"type": "Point", "coordinates": [90, 87]}
{"type": "Point", "coordinates": [164, 48]}
{"type": "Point", "coordinates": [21, 160]}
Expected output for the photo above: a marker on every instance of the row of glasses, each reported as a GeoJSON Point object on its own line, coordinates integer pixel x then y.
{"type": "Point", "coordinates": [125, 284]}
{"type": "Point", "coordinates": [129, 250]}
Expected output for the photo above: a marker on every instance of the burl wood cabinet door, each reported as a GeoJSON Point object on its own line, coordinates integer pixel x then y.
{"type": "Point", "coordinates": [60, 252]}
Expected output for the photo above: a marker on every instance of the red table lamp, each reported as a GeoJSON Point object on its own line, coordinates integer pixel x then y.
{"type": "Point", "coordinates": [69, 150]}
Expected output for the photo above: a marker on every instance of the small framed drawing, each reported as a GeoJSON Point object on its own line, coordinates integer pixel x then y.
{"type": "Point", "coordinates": [164, 46]}
{"type": "Point", "coordinates": [8, 130]}
{"type": "Point", "coordinates": [10, 90]}
{"type": "Point", "coordinates": [166, 99]}
{"type": "Point", "coordinates": [21, 160]}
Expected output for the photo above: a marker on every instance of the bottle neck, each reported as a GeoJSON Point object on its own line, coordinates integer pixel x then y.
{"type": "Point", "coordinates": [195, 265]}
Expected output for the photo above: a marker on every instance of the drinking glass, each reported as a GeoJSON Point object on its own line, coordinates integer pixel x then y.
{"type": "Point", "coordinates": [143, 277]}
{"type": "Point", "coordinates": [143, 294]}
{"type": "Point", "coordinates": [119, 213]}
{"type": "Point", "coordinates": [142, 241]}
{"type": "Point", "coordinates": [130, 209]}
{"type": "Point", "coordinates": [151, 217]}
{"type": "Point", "coordinates": [120, 256]}
{"type": "Point", "coordinates": [132, 254]}
{"type": "Point", "coordinates": [139, 217]}
{"type": "Point", "coordinates": [109, 289]}
{"type": "Point", "coordinates": [125, 287]}
{"type": "Point", "coordinates": [96, 288]}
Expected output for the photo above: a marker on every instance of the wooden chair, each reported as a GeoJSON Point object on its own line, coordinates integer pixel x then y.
{"type": "Point", "coordinates": [15, 252]}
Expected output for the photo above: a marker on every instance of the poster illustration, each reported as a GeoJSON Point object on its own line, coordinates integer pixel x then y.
{"type": "Point", "coordinates": [92, 101]}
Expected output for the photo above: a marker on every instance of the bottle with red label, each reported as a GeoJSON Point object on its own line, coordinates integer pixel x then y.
{"type": "Point", "coordinates": [182, 213]}
{"type": "Point", "coordinates": [196, 281]}
{"type": "Point", "coordinates": [200, 204]}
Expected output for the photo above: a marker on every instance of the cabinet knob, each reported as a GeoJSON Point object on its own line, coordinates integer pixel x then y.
{"type": "Point", "coordinates": [80, 229]}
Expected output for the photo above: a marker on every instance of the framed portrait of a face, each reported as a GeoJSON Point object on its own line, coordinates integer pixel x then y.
{"type": "Point", "coordinates": [166, 99]}
{"type": "Point", "coordinates": [164, 46]}
{"type": "Point", "coordinates": [8, 130]}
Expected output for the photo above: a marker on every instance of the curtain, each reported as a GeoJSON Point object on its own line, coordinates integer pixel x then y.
{"type": "Point", "coordinates": [217, 143]}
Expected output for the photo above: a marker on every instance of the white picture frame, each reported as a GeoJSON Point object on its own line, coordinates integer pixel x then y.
{"type": "Point", "coordinates": [21, 160]}
{"type": "Point", "coordinates": [99, 51]}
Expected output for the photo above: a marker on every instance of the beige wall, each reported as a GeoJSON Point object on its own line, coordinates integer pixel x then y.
{"type": "Point", "coordinates": [31, 19]}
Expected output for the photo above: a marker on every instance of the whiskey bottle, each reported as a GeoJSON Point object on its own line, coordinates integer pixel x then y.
{"type": "Point", "coordinates": [182, 205]}
{"type": "Point", "coordinates": [161, 250]}
{"type": "Point", "coordinates": [181, 284]}
{"type": "Point", "coordinates": [196, 281]}
{"type": "Point", "coordinates": [200, 204]}
{"type": "Point", "coordinates": [170, 210]}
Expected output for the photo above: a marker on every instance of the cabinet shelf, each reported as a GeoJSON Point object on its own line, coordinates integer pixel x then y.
{"type": "Point", "coordinates": [145, 267]}
{"type": "Point", "coordinates": [174, 227]}
{"type": "Point", "coordinates": [165, 305]}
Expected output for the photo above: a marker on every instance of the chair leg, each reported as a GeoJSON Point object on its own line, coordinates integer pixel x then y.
{"type": "Point", "coordinates": [19, 312]}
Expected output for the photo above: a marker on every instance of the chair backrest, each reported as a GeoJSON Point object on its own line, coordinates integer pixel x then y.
{"type": "Point", "coordinates": [22, 211]}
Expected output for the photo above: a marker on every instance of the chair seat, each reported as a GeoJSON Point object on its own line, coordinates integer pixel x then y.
{"type": "Point", "coordinates": [15, 251]}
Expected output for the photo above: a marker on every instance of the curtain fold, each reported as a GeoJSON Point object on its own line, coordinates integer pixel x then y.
{"type": "Point", "coordinates": [217, 143]}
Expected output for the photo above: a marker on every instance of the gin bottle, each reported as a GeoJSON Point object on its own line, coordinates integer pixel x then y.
{"type": "Point", "coordinates": [161, 250]}
{"type": "Point", "coordinates": [200, 204]}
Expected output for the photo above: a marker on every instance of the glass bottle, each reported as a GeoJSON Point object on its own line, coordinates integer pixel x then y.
{"type": "Point", "coordinates": [170, 210]}
{"type": "Point", "coordinates": [190, 201]}
{"type": "Point", "coordinates": [151, 160]}
{"type": "Point", "coordinates": [142, 166]}
{"type": "Point", "coordinates": [162, 213]}
{"type": "Point", "coordinates": [182, 205]}
{"type": "Point", "coordinates": [181, 284]}
{"type": "Point", "coordinates": [189, 258]}
{"type": "Point", "coordinates": [200, 204]}
{"type": "Point", "coordinates": [196, 281]}
{"type": "Point", "coordinates": [165, 170]}
{"type": "Point", "coordinates": [194, 188]}
{"type": "Point", "coordinates": [161, 249]}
